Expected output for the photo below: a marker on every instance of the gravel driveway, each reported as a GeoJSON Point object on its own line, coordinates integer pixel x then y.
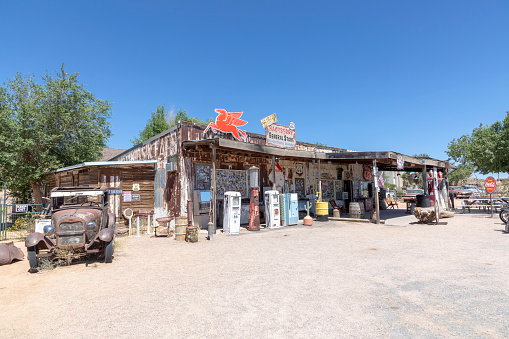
{"type": "Point", "coordinates": [334, 279]}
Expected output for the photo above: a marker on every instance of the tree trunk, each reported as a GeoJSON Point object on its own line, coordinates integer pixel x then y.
{"type": "Point", "coordinates": [37, 194]}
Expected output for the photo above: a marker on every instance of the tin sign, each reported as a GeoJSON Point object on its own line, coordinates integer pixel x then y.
{"type": "Point", "coordinates": [401, 162]}
{"type": "Point", "coordinates": [127, 196]}
{"type": "Point", "coordinates": [267, 121]}
{"type": "Point", "coordinates": [280, 136]}
{"type": "Point", "coordinates": [490, 185]}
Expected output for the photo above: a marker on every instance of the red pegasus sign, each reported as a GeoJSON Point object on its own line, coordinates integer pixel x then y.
{"type": "Point", "coordinates": [228, 122]}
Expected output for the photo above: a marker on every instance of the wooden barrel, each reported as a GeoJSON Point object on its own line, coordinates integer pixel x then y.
{"type": "Point", "coordinates": [356, 210]}
{"type": "Point", "coordinates": [180, 228]}
{"type": "Point", "coordinates": [192, 234]}
{"type": "Point", "coordinates": [322, 211]}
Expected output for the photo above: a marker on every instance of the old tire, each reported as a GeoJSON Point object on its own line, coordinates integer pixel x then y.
{"type": "Point", "coordinates": [32, 259]}
{"type": "Point", "coordinates": [504, 216]}
{"type": "Point", "coordinates": [108, 252]}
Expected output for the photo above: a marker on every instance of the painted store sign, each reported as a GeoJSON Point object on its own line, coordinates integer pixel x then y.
{"type": "Point", "coordinates": [280, 136]}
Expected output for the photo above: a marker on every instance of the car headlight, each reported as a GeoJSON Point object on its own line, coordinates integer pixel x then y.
{"type": "Point", "coordinates": [49, 230]}
{"type": "Point", "coordinates": [91, 226]}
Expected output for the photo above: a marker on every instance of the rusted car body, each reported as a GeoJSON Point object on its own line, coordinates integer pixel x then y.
{"type": "Point", "coordinates": [80, 222]}
{"type": "Point", "coordinates": [9, 252]}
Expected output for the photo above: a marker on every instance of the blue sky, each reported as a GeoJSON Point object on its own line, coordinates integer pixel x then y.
{"type": "Point", "coordinates": [404, 76]}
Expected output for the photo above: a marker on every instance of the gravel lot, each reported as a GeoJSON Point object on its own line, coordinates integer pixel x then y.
{"type": "Point", "coordinates": [334, 279]}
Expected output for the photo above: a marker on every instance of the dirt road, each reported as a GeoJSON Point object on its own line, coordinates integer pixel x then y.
{"type": "Point", "coordinates": [334, 279]}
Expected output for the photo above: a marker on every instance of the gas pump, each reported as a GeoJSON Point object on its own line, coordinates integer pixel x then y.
{"type": "Point", "coordinates": [272, 214]}
{"type": "Point", "coordinates": [431, 188]}
{"type": "Point", "coordinates": [231, 220]}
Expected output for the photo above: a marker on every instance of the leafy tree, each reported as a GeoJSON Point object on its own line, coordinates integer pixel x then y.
{"type": "Point", "coordinates": [486, 150]}
{"type": "Point", "coordinates": [158, 123]}
{"type": "Point", "coordinates": [155, 125]}
{"type": "Point", "coordinates": [47, 126]}
{"type": "Point", "coordinates": [460, 173]}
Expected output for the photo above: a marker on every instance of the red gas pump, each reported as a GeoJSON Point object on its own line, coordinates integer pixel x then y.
{"type": "Point", "coordinates": [431, 188]}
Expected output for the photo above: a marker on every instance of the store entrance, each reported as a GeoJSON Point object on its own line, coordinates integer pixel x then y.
{"type": "Point", "coordinates": [348, 188]}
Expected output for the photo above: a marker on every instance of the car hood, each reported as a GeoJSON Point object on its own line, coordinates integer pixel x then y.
{"type": "Point", "coordinates": [85, 214]}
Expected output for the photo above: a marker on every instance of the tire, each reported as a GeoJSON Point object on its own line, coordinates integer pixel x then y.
{"type": "Point", "coordinates": [32, 259]}
{"type": "Point", "coordinates": [504, 216]}
{"type": "Point", "coordinates": [108, 252]}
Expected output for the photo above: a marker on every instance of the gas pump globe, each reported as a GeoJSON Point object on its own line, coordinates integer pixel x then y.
{"type": "Point", "coordinates": [254, 201]}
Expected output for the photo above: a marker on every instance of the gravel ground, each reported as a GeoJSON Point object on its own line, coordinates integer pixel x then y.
{"type": "Point", "coordinates": [334, 279]}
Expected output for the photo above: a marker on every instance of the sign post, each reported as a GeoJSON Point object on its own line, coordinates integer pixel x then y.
{"type": "Point", "coordinates": [490, 185]}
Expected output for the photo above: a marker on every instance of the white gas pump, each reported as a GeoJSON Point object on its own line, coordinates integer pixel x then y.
{"type": "Point", "coordinates": [231, 221]}
{"type": "Point", "coordinates": [272, 213]}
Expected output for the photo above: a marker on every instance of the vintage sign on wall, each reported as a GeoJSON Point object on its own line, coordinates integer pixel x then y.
{"type": "Point", "coordinates": [267, 121]}
{"type": "Point", "coordinates": [228, 122]}
{"type": "Point", "coordinates": [127, 196]}
{"type": "Point", "coordinates": [280, 136]}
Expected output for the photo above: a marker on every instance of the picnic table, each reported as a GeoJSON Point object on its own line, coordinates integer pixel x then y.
{"type": "Point", "coordinates": [484, 203]}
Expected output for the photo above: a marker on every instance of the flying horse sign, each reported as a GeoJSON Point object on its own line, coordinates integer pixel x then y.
{"type": "Point", "coordinates": [228, 122]}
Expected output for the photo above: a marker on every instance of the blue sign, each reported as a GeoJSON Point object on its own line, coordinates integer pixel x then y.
{"type": "Point", "coordinates": [115, 191]}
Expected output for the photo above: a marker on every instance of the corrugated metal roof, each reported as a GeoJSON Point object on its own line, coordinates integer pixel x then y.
{"type": "Point", "coordinates": [107, 163]}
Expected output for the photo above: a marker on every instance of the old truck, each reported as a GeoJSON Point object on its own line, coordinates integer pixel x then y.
{"type": "Point", "coordinates": [80, 223]}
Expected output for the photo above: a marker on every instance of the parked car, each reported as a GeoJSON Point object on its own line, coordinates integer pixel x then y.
{"type": "Point", "coordinates": [459, 193]}
{"type": "Point", "coordinates": [412, 193]}
{"type": "Point", "coordinates": [476, 191]}
{"type": "Point", "coordinates": [80, 223]}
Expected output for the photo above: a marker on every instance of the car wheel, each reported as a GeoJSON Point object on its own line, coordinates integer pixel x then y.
{"type": "Point", "coordinates": [32, 259]}
{"type": "Point", "coordinates": [108, 252]}
{"type": "Point", "coordinates": [504, 216]}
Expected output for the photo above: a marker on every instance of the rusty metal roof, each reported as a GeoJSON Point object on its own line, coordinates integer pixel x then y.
{"type": "Point", "coordinates": [107, 163]}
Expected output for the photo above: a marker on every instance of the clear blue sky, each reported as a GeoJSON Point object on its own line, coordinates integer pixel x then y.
{"type": "Point", "coordinates": [404, 76]}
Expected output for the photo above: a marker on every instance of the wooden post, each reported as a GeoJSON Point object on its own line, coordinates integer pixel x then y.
{"type": "Point", "coordinates": [425, 180]}
{"type": "Point", "coordinates": [319, 188]}
{"type": "Point", "coordinates": [377, 202]}
{"type": "Point", "coordinates": [274, 172]}
{"type": "Point", "coordinates": [213, 200]}
{"type": "Point", "coordinates": [491, 203]}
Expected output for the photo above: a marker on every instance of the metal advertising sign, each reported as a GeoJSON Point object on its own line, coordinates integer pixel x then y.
{"type": "Point", "coordinates": [127, 196]}
{"type": "Point", "coordinates": [228, 122]}
{"type": "Point", "coordinates": [401, 162]}
{"type": "Point", "coordinates": [267, 121]}
{"type": "Point", "coordinates": [490, 185]}
{"type": "Point", "coordinates": [280, 136]}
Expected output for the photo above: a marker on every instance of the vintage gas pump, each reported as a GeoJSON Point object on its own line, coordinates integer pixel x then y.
{"type": "Point", "coordinates": [231, 221]}
{"type": "Point", "coordinates": [254, 201]}
{"type": "Point", "coordinates": [291, 208]}
{"type": "Point", "coordinates": [431, 188]}
{"type": "Point", "coordinates": [272, 209]}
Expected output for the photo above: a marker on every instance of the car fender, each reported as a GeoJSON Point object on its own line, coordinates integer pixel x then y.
{"type": "Point", "coordinates": [9, 252]}
{"type": "Point", "coordinates": [38, 239]}
{"type": "Point", "coordinates": [106, 234]}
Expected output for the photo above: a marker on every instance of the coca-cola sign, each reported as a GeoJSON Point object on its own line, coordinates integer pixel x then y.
{"type": "Point", "coordinates": [490, 185]}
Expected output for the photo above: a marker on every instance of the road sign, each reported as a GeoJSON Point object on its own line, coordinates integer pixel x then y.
{"type": "Point", "coordinates": [490, 185]}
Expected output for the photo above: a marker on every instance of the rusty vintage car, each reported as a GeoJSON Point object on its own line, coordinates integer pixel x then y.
{"type": "Point", "coordinates": [80, 223]}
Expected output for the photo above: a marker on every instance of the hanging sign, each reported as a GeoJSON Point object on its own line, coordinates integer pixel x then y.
{"type": "Point", "coordinates": [136, 187]}
{"type": "Point", "coordinates": [280, 136]}
{"type": "Point", "coordinates": [267, 121]}
{"type": "Point", "coordinates": [21, 208]}
{"type": "Point", "coordinates": [114, 191]}
{"type": "Point", "coordinates": [367, 173]}
{"type": "Point", "coordinates": [401, 162]}
{"type": "Point", "coordinates": [490, 185]}
{"type": "Point", "coordinates": [228, 122]}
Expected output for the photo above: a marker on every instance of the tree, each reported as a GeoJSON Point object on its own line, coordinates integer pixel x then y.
{"type": "Point", "coordinates": [158, 123]}
{"type": "Point", "coordinates": [155, 125]}
{"type": "Point", "coordinates": [486, 150]}
{"type": "Point", "coordinates": [48, 126]}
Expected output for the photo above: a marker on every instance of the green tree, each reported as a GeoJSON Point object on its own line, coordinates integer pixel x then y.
{"type": "Point", "coordinates": [460, 173]}
{"type": "Point", "coordinates": [158, 123]}
{"type": "Point", "coordinates": [486, 150]}
{"type": "Point", "coordinates": [155, 125]}
{"type": "Point", "coordinates": [46, 126]}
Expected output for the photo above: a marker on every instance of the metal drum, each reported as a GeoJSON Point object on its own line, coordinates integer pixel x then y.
{"type": "Point", "coordinates": [192, 234]}
{"type": "Point", "coordinates": [356, 210]}
{"type": "Point", "coordinates": [180, 228]}
{"type": "Point", "coordinates": [322, 211]}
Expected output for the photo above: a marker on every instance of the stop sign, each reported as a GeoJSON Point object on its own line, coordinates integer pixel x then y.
{"type": "Point", "coordinates": [490, 184]}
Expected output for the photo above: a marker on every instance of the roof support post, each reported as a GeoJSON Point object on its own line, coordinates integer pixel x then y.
{"type": "Point", "coordinates": [377, 201]}
{"type": "Point", "coordinates": [274, 172]}
{"type": "Point", "coordinates": [213, 200]}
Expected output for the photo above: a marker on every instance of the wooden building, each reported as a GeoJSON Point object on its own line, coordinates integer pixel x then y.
{"type": "Point", "coordinates": [176, 166]}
